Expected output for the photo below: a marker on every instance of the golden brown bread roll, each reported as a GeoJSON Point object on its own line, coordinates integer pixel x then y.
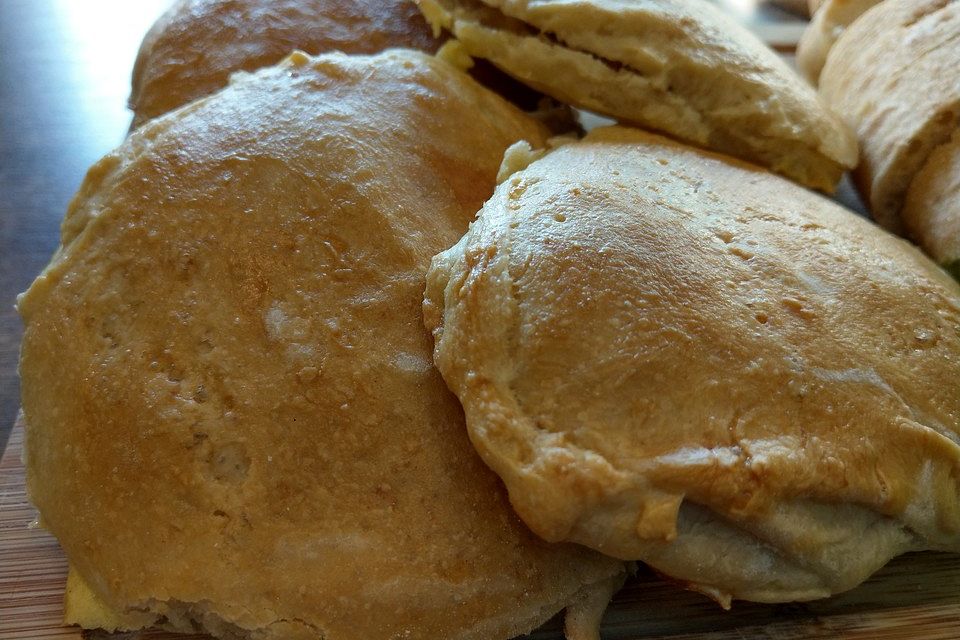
{"type": "Point", "coordinates": [194, 47]}
{"type": "Point", "coordinates": [678, 66]}
{"type": "Point", "coordinates": [827, 24]}
{"type": "Point", "coordinates": [233, 423]}
{"type": "Point", "coordinates": [893, 75]}
{"type": "Point", "coordinates": [758, 396]}
{"type": "Point", "coordinates": [931, 211]}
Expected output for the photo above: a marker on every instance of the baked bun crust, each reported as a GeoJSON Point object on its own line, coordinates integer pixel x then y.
{"type": "Point", "coordinates": [194, 47]}
{"type": "Point", "coordinates": [233, 421]}
{"type": "Point", "coordinates": [678, 66]}
{"type": "Point", "coordinates": [197, 44]}
{"type": "Point", "coordinates": [825, 27]}
{"type": "Point", "coordinates": [893, 75]}
{"type": "Point", "coordinates": [755, 395]}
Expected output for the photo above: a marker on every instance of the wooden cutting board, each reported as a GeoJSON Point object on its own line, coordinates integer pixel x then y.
{"type": "Point", "coordinates": [916, 597]}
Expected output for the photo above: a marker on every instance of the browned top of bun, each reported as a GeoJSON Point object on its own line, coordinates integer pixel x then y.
{"type": "Point", "coordinates": [674, 357]}
{"type": "Point", "coordinates": [232, 412]}
{"type": "Point", "coordinates": [194, 47]}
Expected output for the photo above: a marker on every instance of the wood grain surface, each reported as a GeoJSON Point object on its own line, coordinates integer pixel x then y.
{"type": "Point", "coordinates": [916, 597]}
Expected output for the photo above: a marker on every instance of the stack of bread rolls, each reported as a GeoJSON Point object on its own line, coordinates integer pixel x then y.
{"type": "Point", "coordinates": [890, 69]}
{"type": "Point", "coordinates": [349, 346]}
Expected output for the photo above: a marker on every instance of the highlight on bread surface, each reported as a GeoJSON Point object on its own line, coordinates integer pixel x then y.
{"type": "Point", "coordinates": [681, 67]}
{"type": "Point", "coordinates": [893, 75]}
{"type": "Point", "coordinates": [233, 423]}
{"type": "Point", "coordinates": [756, 396]}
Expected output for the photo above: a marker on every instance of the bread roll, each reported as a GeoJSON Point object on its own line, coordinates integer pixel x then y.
{"type": "Point", "coordinates": [893, 75]}
{"type": "Point", "coordinates": [679, 66]}
{"type": "Point", "coordinates": [756, 395]}
{"type": "Point", "coordinates": [932, 209]}
{"type": "Point", "coordinates": [822, 32]}
{"type": "Point", "coordinates": [194, 47]}
{"type": "Point", "coordinates": [233, 423]}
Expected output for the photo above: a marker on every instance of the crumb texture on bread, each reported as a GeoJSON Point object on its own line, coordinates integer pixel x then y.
{"type": "Point", "coordinates": [757, 396]}
{"type": "Point", "coordinates": [233, 421]}
{"type": "Point", "coordinates": [681, 67]}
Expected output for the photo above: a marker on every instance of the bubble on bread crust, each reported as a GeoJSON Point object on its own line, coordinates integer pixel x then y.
{"type": "Point", "coordinates": [229, 462]}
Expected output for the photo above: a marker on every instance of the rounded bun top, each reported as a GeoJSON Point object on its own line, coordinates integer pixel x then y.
{"type": "Point", "coordinates": [232, 413]}
{"type": "Point", "coordinates": [639, 331]}
{"type": "Point", "coordinates": [194, 47]}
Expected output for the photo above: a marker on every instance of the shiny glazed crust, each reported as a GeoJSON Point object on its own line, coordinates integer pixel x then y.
{"type": "Point", "coordinates": [756, 395]}
{"type": "Point", "coordinates": [678, 66]}
{"type": "Point", "coordinates": [233, 420]}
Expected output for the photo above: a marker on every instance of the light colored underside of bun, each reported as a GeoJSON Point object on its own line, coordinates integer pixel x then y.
{"type": "Point", "coordinates": [893, 74]}
{"type": "Point", "coordinates": [756, 395]}
{"type": "Point", "coordinates": [682, 68]}
{"type": "Point", "coordinates": [931, 212]}
{"type": "Point", "coordinates": [233, 423]}
{"type": "Point", "coordinates": [194, 47]}
{"type": "Point", "coordinates": [825, 27]}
